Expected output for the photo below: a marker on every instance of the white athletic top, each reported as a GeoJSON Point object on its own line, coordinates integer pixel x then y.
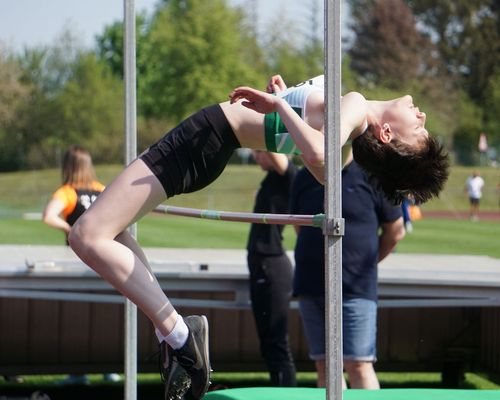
{"type": "Point", "coordinates": [278, 140]}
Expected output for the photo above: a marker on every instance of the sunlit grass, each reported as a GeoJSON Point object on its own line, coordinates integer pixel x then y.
{"type": "Point", "coordinates": [477, 381]}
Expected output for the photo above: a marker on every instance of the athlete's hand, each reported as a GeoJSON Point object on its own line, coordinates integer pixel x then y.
{"type": "Point", "coordinates": [276, 84]}
{"type": "Point", "coordinates": [256, 100]}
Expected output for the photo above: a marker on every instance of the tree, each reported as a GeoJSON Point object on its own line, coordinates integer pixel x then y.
{"type": "Point", "coordinates": [392, 57]}
{"type": "Point", "coordinates": [110, 48]}
{"type": "Point", "coordinates": [466, 133]}
{"type": "Point", "coordinates": [13, 94]}
{"type": "Point", "coordinates": [49, 67]}
{"type": "Point", "coordinates": [90, 109]}
{"type": "Point", "coordinates": [292, 50]}
{"type": "Point", "coordinates": [190, 53]}
{"type": "Point", "coordinates": [74, 99]}
{"type": "Point", "coordinates": [388, 49]}
{"type": "Point", "coordinates": [467, 36]}
{"type": "Point", "coordinates": [491, 105]}
{"type": "Point", "coordinates": [12, 91]}
{"type": "Point", "coordinates": [195, 57]}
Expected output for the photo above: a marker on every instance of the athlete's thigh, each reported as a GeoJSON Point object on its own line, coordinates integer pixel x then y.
{"type": "Point", "coordinates": [134, 193]}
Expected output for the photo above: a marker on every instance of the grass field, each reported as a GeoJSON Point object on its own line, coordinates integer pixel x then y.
{"type": "Point", "coordinates": [24, 192]}
{"type": "Point", "coordinates": [433, 236]}
{"type": "Point", "coordinates": [27, 192]}
{"type": "Point", "coordinates": [150, 386]}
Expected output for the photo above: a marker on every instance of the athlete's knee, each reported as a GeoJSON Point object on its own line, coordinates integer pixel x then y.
{"type": "Point", "coordinates": [80, 237]}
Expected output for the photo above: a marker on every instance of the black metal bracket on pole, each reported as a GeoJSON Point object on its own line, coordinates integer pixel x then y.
{"type": "Point", "coordinates": [334, 227]}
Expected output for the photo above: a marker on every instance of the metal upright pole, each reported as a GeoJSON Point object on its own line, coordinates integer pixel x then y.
{"type": "Point", "coordinates": [129, 66]}
{"type": "Point", "coordinates": [334, 224]}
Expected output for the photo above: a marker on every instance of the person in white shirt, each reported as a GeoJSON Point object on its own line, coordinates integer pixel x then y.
{"type": "Point", "coordinates": [473, 188]}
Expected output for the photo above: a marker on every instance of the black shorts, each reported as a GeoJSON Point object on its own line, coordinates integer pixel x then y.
{"type": "Point", "coordinates": [193, 154]}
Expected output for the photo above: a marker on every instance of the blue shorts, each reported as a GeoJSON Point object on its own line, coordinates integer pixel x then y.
{"type": "Point", "coordinates": [359, 328]}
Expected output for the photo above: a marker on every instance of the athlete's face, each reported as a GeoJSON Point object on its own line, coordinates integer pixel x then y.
{"type": "Point", "coordinates": [406, 121]}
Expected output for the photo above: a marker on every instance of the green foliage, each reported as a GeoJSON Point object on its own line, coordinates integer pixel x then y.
{"type": "Point", "coordinates": [388, 48]}
{"type": "Point", "coordinates": [12, 91]}
{"type": "Point", "coordinates": [390, 57]}
{"type": "Point", "coordinates": [467, 37]}
{"type": "Point", "coordinates": [71, 97]}
{"type": "Point", "coordinates": [289, 54]}
{"type": "Point", "coordinates": [110, 45]}
{"type": "Point", "coordinates": [349, 81]}
{"type": "Point", "coordinates": [194, 58]}
{"type": "Point", "coordinates": [87, 110]}
{"type": "Point", "coordinates": [49, 68]}
{"type": "Point", "coordinates": [466, 135]}
{"type": "Point", "coordinates": [446, 55]}
{"type": "Point", "coordinates": [91, 111]}
{"type": "Point", "coordinates": [13, 95]}
{"type": "Point", "coordinates": [491, 114]}
{"type": "Point", "coordinates": [191, 53]}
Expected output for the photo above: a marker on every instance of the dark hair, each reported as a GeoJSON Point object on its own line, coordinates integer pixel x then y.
{"type": "Point", "coordinates": [400, 170]}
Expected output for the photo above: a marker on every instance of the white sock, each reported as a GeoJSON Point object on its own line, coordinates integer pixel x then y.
{"type": "Point", "coordinates": [177, 337]}
{"type": "Point", "coordinates": [159, 335]}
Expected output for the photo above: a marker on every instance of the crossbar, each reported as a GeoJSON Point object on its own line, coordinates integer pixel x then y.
{"type": "Point", "coordinates": [255, 218]}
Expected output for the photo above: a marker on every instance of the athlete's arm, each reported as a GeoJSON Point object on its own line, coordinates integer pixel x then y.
{"type": "Point", "coordinates": [52, 215]}
{"type": "Point", "coordinates": [276, 84]}
{"type": "Point", "coordinates": [309, 140]}
{"type": "Point", "coordinates": [279, 162]}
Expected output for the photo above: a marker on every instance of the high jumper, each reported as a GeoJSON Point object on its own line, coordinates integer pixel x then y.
{"type": "Point", "coordinates": [389, 140]}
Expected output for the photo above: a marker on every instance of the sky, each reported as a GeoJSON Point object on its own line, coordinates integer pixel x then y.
{"type": "Point", "coordinates": [40, 22]}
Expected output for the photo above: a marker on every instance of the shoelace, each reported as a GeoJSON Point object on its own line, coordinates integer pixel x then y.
{"type": "Point", "coordinates": [160, 363]}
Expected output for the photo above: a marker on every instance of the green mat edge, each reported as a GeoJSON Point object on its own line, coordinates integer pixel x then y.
{"type": "Point", "coordinates": [269, 393]}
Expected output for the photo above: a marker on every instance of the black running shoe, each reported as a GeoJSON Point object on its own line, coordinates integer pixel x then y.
{"type": "Point", "coordinates": [193, 356]}
{"type": "Point", "coordinates": [174, 377]}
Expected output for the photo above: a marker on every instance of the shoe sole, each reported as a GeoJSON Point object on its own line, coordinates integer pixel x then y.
{"type": "Point", "coordinates": [206, 353]}
{"type": "Point", "coordinates": [177, 384]}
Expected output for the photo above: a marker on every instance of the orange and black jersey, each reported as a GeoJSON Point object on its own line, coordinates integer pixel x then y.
{"type": "Point", "coordinates": [77, 200]}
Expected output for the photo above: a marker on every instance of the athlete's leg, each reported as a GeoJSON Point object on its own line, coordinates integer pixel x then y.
{"type": "Point", "coordinates": [99, 241]}
{"type": "Point", "coordinates": [128, 240]}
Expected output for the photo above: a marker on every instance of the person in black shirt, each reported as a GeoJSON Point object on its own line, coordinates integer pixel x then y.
{"type": "Point", "coordinates": [271, 272]}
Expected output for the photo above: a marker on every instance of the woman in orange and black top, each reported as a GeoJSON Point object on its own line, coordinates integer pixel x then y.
{"type": "Point", "coordinates": [78, 191]}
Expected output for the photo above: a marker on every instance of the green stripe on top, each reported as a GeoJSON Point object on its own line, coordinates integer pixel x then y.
{"type": "Point", "coordinates": [277, 138]}
{"type": "Point", "coordinates": [270, 127]}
